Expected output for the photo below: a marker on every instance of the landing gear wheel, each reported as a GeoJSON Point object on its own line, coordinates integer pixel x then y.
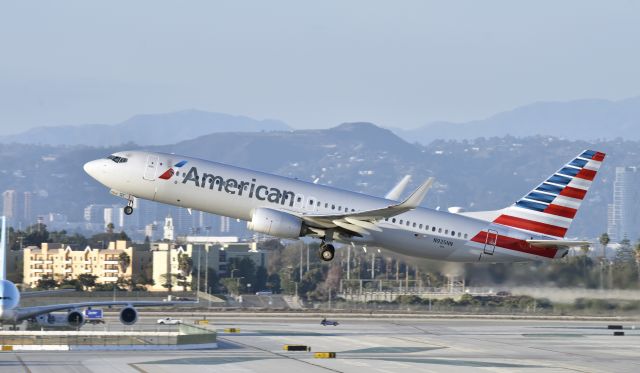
{"type": "Point", "coordinates": [128, 210]}
{"type": "Point", "coordinates": [327, 252]}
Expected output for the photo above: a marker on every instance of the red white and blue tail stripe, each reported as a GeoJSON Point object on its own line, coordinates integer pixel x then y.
{"type": "Point", "coordinates": [550, 208]}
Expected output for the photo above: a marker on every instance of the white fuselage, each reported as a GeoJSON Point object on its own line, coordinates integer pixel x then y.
{"type": "Point", "coordinates": [235, 192]}
{"type": "Point", "coordinates": [9, 300]}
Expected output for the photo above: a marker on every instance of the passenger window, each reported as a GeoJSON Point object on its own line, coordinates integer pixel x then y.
{"type": "Point", "coordinates": [453, 234]}
{"type": "Point", "coordinates": [311, 202]}
{"type": "Point", "coordinates": [433, 229]}
{"type": "Point", "coordinates": [400, 221]}
{"type": "Point", "coordinates": [439, 230]}
{"type": "Point", "coordinates": [426, 227]}
{"type": "Point", "coordinates": [386, 219]}
{"type": "Point", "coordinates": [318, 204]}
{"type": "Point", "coordinates": [459, 234]}
{"type": "Point", "coordinates": [420, 227]}
{"type": "Point", "coordinates": [446, 231]}
{"type": "Point", "coordinates": [299, 199]}
{"type": "Point", "coordinates": [414, 224]}
{"type": "Point", "coordinates": [333, 207]}
{"type": "Point", "coordinates": [465, 235]}
{"type": "Point", "coordinates": [339, 208]}
{"type": "Point", "coordinates": [353, 210]}
{"type": "Point", "coordinates": [326, 205]}
{"type": "Point", "coordinates": [408, 223]}
{"type": "Point", "coordinates": [393, 220]}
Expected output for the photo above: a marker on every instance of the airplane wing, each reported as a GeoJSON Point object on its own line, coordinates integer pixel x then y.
{"type": "Point", "coordinates": [553, 244]}
{"type": "Point", "coordinates": [398, 189]}
{"type": "Point", "coordinates": [360, 223]}
{"type": "Point", "coordinates": [24, 313]}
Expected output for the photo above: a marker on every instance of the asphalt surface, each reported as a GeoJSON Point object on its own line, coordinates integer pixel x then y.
{"type": "Point", "coordinates": [366, 345]}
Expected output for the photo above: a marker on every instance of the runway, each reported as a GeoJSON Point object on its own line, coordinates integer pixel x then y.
{"type": "Point", "coordinates": [371, 345]}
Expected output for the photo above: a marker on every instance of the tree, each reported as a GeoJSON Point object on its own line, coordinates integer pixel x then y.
{"type": "Point", "coordinates": [625, 253]}
{"type": "Point", "coordinates": [110, 228]}
{"type": "Point", "coordinates": [124, 260]}
{"type": "Point", "coordinates": [273, 283]}
{"type": "Point", "coordinates": [604, 241]}
{"type": "Point", "coordinates": [87, 280]}
{"type": "Point", "coordinates": [70, 283]}
{"type": "Point", "coordinates": [46, 283]}
{"type": "Point", "coordinates": [261, 279]}
{"type": "Point", "coordinates": [169, 280]}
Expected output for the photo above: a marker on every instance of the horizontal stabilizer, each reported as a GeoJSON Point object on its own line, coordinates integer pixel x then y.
{"type": "Point", "coordinates": [552, 244]}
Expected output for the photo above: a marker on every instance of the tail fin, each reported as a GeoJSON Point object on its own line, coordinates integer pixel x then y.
{"type": "Point", "coordinates": [550, 208]}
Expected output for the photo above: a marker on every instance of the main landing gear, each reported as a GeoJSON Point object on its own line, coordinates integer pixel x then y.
{"type": "Point", "coordinates": [128, 209]}
{"type": "Point", "coordinates": [327, 251]}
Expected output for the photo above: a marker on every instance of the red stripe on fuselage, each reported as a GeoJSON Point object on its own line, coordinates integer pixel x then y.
{"type": "Point", "coordinates": [530, 225]}
{"type": "Point", "coordinates": [573, 192]}
{"type": "Point", "coordinates": [516, 244]}
{"type": "Point", "coordinates": [565, 212]}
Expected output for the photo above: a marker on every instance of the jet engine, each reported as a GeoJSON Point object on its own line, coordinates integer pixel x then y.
{"type": "Point", "coordinates": [128, 316]}
{"type": "Point", "coordinates": [276, 223]}
{"type": "Point", "coordinates": [73, 319]}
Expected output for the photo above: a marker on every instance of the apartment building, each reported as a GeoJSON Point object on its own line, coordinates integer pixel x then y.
{"type": "Point", "coordinates": [166, 265]}
{"type": "Point", "coordinates": [62, 262]}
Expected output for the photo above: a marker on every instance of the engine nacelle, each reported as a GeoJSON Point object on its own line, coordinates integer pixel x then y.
{"type": "Point", "coordinates": [128, 316]}
{"type": "Point", "coordinates": [75, 318]}
{"type": "Point", "coordinates": [276, 223]}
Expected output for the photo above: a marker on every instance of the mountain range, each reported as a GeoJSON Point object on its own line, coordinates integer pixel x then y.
{"type": "Point", "coordinates": [148, 129]}
{"type": "Point", "coordinates": [577, 120]}
{"type": "Point", "coordinates": [574, 120]}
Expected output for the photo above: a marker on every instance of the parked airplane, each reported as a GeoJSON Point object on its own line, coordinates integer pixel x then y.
{"type": "Point", "coordinates": [531, 229]}
{"type": "Point", "coordinates": [12, 313]}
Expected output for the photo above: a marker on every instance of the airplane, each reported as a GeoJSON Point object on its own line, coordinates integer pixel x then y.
{"type": "Point", "coordinates": [48, 315]}
{"type": "Point", "coordinates": [533, 228]}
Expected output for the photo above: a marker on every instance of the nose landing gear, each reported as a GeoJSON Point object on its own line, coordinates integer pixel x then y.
{"type": "Point", "coordinates": [128, 209]}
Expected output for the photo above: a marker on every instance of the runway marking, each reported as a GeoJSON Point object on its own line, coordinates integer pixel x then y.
{"type": "Point", "coordinates": [26, 368]}
{"type": "Point", "coordinates": [136, 367]}
{"type": "Point", "coordinates": [280, 355]}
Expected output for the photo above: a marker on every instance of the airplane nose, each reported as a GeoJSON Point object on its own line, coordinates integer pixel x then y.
{"type": "Point", "coordinates": [93, 168]}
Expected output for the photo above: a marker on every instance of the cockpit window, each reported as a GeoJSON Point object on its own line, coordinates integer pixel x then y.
{"type": "Point", "coordinates": [117, 159]}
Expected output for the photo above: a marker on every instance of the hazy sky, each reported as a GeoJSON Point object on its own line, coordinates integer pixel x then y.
{"type": "Point", "coordinates": [311, 64]}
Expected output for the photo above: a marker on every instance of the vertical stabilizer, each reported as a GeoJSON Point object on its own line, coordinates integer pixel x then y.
{"type": "Point", "coordinates": [3, 250]}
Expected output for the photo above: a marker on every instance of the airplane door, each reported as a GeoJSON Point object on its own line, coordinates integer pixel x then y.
{"type": "Point", "coordinates": [490, 242]}
{"type": "Point", "coordinates": [151, 167]}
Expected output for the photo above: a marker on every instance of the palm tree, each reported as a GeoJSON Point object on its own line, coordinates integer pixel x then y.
{"type": "Point", "coordinates": [604, 241]}
{"type": "Point", "coordinates": [185, 265]}
{"type": "Point", "coordinates": [124, 260]}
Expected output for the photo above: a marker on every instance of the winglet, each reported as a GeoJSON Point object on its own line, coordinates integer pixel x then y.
{"type": "Point", "coordinates": [397, 190]}
{"type": "Point", "coordinates": [415, 199]}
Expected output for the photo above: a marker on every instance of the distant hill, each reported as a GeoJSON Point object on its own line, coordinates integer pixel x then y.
{"type": "Point", "coordinates": [148, 129]}
{"type": "Point", "coordinates": [573, 120]}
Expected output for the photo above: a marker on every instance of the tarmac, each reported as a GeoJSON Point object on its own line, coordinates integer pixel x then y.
{"type": "Point", "coordinates": [363, 344]}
